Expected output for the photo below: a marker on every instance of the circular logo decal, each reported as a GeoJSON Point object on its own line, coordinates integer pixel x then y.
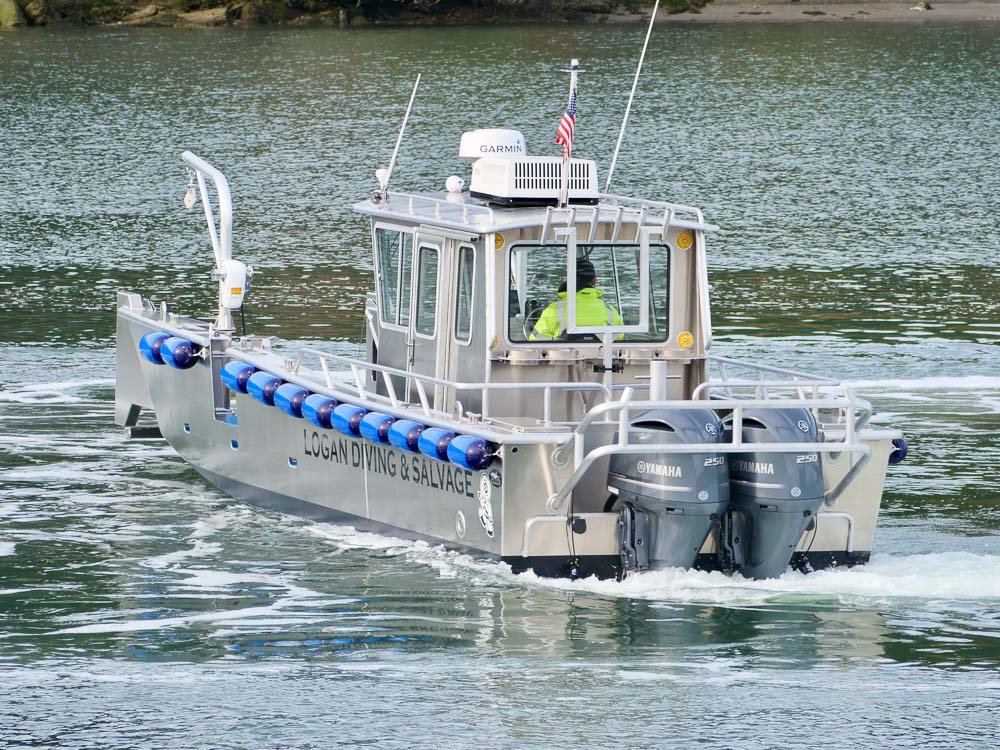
{"type": "Point", "coordinates": [684, 240]}
{"type": "Point", "coordinates": [498, 240]}
{"type": "Point", "coordinates": [803, 425]}
{"type": "Point", "coordinates": [710, 429]}
{"type": "Point", "coordinates": [485, 496]}
{"type": "Point", "coordinates": [685, 340]}
{"type": "Point", "coordinates": [495, 478]}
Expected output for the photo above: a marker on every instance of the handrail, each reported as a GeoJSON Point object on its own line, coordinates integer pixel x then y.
{"type": "Point", "coordinates": [772, 369]}
{"type": "Point", "coordinates": [798, 380]}
{"type": "Point", "coordinates": [420, 380]}
{"type": "Point", "coordinates": [555, 502]}
{"type": "Point", "coordinates": [673, 207]}
{"type": "Point", "coordinates": [477, 218]}
{"type": "Point", "coordinates": [625, 405]}
{"type": "Point", "coordinates": [699, 391]}
{"type": "Point", "coordinates": [438, 203]}
{"type": "Point", "coordinates": [369, 401]}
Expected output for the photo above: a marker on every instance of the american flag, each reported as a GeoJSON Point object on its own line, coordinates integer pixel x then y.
{"type": "Point", "coordinates": [564, 137]}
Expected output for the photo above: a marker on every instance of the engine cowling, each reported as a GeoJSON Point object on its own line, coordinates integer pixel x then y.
{"type": "Point", "coordinates": [773, 496]}
{"type": "Point", "coordinates": [669, 502]}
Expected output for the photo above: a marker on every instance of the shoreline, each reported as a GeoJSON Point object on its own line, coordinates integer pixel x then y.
{"type": "Point", "coordinates": [168, 14]}
{"type": "Point", "coordinates": [818, 11]}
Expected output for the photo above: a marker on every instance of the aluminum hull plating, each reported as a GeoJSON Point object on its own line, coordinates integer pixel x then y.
{"type": "Point", "coordinates": [270, 459]}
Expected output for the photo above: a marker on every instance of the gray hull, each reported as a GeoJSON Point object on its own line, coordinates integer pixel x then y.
{"type": "Point", "coordinates": [271, 459]}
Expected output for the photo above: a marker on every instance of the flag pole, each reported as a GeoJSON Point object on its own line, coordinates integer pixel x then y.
{"type": "Point", "coordinates": [574, 69]}
{"type": "Point", "coordinates": [628, 107]}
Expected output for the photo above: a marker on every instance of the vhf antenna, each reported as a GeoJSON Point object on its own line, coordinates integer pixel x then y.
{"type": "Point", "coordinates": [383, 175]}
{"type": "Point", "coordinates": [628, 108]}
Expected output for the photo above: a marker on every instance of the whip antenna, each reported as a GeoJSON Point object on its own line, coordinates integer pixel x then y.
{"type": "Point", "coordinates": [383, 175]}
{"type": "Point", "coordinates": [628, 107]}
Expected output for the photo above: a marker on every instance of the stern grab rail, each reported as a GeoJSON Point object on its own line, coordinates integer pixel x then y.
{"type": "Point", "coordinates": [584, 460]}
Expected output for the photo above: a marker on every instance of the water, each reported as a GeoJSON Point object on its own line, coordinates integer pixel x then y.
{"type": "Point", "coordinates": [854, 171]}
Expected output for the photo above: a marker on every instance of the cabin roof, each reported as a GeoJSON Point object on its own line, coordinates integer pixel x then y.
{"type": "Point", "coordinates": [461, 212]}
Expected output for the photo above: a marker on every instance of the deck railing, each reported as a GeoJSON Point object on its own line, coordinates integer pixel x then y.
{"type": "Point", "coordinates": [480, 219]}
{"type": "Point", "coordinates": [359, 386]}
{"type": "Point", "coordinates": [624, 407]}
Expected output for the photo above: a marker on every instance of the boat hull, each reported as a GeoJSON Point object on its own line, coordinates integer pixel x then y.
{"type": "Point", "coordinates": [261, 455]}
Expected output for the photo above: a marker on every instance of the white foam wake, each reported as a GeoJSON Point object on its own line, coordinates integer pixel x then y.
{"type": "Point", "coordinates": [939, 383]}
{"type": "Point", "coordinates": [292, 604]}
{"type": "Point", "coordinates": [61, 392]}
{"type": "Point", "coordinates": [946, 576]}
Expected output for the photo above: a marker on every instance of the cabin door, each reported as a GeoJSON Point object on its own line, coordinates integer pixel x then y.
{"type": "Point", "coordinates": [427, 334]}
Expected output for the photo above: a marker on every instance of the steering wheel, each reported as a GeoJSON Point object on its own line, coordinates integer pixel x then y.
{"type": "Point", "coordinates": [531, 320]}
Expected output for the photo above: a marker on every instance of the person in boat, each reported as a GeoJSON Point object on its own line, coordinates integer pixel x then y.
{"type": "Point", "coordinates": [591, 310]}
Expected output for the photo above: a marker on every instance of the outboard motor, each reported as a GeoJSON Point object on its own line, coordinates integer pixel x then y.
{"type": "Point", "coordinates": [774, 496]}
{"type": "Point", "coordinates": [669, 501]}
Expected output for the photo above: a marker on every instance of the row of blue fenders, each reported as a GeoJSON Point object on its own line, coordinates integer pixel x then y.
{"type": "Point", "coordinates": [469, 452]}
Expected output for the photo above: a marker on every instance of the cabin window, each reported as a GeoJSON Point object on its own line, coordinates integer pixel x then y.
{"type": "Point", "coordinates": [427, 290]}
{"type": "Point", "coordinates": [463, 300]}
{"type": "Point", "coordinates": [537, 286]}
{"type": "Point", "coordinates": [393, 263]}
{"type": "Point", "coordinates": [405, 272]}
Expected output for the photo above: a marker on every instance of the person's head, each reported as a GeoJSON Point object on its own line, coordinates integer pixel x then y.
{"type": "Point", "coordinates": [586, 275]}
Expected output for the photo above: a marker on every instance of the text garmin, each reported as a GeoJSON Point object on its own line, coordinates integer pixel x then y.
{"type": "Point", "coordinates": [500, 148]}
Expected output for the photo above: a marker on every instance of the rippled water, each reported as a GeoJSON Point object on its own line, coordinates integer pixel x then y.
{"type": "Point", "coordinates": [854, 171]}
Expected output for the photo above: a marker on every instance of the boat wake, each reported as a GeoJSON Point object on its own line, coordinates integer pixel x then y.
{"type": "Point", "coordinates": [939, 577]}
{"type": "Point", "coordinates": [940, 383]}
{"type": "Point", "coordinates": [61, 392]}
{"type": "Point", "coordinates": [942, 577]}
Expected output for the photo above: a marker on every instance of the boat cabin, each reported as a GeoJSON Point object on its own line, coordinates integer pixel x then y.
{"type": "Point", "coordinates": [510, 282]}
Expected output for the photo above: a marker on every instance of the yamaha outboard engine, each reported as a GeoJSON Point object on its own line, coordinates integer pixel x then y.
{"type": "Point", "coordinates": [669, 501]}
{"type": "Point", "coordinates": [774, 496]}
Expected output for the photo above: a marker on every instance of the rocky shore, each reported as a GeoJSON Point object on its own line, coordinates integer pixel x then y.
{"type": "Point", "coordinates": [343, 13]}
{"type": "Point", "coordinates": [349, 13]}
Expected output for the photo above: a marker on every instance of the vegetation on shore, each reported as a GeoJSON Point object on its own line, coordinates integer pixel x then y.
{"type": "Point", "coordinates": [317, 12]}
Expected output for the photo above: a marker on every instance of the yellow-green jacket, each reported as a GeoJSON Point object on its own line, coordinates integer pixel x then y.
{"type": "Point", "coordinates": [590, 311]}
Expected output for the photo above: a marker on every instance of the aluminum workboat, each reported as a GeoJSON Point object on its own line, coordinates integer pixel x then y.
{"type": "Point", "coordinates": [494, 412]}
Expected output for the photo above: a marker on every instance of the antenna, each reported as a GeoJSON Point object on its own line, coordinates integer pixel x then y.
{"type": "Point", "coordinates": [628, 108]}
{"type": "Point", "coordinates": [384, 175]}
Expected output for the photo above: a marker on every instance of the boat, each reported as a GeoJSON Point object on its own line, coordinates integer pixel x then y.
{"type": "Point", "coordinates": [537, 387]}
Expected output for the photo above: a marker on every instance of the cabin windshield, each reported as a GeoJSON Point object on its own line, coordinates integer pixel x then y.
{"type": "Point", "coordinates": [537, 292]}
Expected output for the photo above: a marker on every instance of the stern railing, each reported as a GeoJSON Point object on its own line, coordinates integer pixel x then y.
{"type": "Point", "coordinates": [624, 407]}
